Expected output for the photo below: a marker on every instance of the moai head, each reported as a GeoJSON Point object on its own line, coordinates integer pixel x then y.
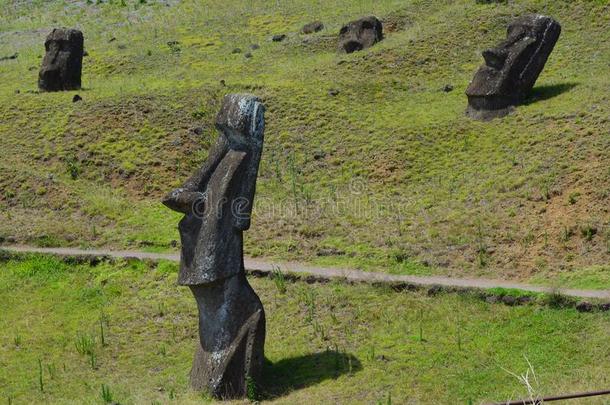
{"type": "Point", "coordinates": [241, 120]}
{"type": "Point", "coordinates": [360, 34]}
{"type": "Point", "coordinates": [62, 64]}
{"type": "Point", "coordinates": [512, 68]}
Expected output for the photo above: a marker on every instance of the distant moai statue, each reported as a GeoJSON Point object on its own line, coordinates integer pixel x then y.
{"type": "Point", "coordinates": [512, 68]}
{"type": "Point", "coordinates": [63, 61]}
{"type": "Point", "coordinates": [217, 203]}
{"type": "Point", "coordinates": [360, 34]}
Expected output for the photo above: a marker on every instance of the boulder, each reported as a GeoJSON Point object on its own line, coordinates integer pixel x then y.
{"type": "Point", "coordinates": [360, 34]}
{"type": "Point", "coordinates": [512, 67]}
{"type": "Point", "coordinates": [312, 27]}
{"type": "Point", "coordinates": [63, 61]}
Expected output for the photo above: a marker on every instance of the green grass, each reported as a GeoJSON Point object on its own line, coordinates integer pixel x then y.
{"type": "Point", "coordinates": [325, 343]}
{"type": "Point", "coordinates": [407, 184]}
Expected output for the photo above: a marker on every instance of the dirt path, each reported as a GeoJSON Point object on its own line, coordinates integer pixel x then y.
{"type": "Point", "coordinates": [261, 266]}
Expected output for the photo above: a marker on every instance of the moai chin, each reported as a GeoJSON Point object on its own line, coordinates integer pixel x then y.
{"type": "Point", "coordinates": [63, 61]}
{"type": "Point", "coordinates": [512, 67]}
{"type": "Point", "coordinates": [217, 203]}
{"type": "Point", "coordinates": [360, 34]}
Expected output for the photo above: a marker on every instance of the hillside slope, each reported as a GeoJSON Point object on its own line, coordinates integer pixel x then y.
{"type": "Point", "coordinates": [387, 175]}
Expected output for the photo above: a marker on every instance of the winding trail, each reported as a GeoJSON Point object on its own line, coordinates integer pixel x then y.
{"type": "Point", "coordinates": [265, 267]}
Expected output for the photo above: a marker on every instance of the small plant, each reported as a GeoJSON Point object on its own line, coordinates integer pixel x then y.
{"type": "Point", "coordinates": [161, 310]}
{"type": "Point", "coordinates": [251, 390]}
{"type": "Point", "coordinates": [93, 360]}
{"type": "Point", "coordinates": [52, 371]}
{"type": "Point", "coordinates": [106, 394]}
{"type": "Point", "coordinates": [73, 167]}
{"type": "Point", "coordinates": [84, 345]}
{"type": "Point", "coordinates": [17, 340]}
{"type": "Point", "coordinates": [172, 393]}
{"type": "Point", "coordinates": [162, 350]}
{"type": "Point", "coordinates": [588, 232]}
{"type": "Point", "coordinates": [102, 335]}
{"type": "Point", "coordinates": [279, 280]}
{"type": "Point", "coordinates": [40, 380]}
{"type": "Point", "coordinates": [421, 325]}
{"type": "Point", "coordinates": [573, 198]}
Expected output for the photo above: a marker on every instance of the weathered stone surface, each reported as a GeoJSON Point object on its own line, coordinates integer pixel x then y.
{"type": "Point", "coordinates": [312, 27]}
{"type": "Point", "coordinates": [360, 34]}
{"type": "Point", "coordinates": [63, 61]}
{"type": "Point", "coordinates": [278, 37]}
{"type": "Point", "coordinates": [217, 203]}
{"type": "Point", "coordinates": [512, 68]}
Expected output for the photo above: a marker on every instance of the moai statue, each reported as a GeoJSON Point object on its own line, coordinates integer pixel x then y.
{"type": "Point", "coordinates": [63, 61]}
{"type": "Point", "coordinates": [512, 67]}
{"type": "Point", "coordinates": [217, 203]}
{"type": "Point", "coordinates": [360, 34]}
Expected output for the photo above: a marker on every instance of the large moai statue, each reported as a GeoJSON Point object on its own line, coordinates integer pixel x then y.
{"type": "Point", "coordinates": [63, 61]}
{"type": "Point", "coordinates": [217, 203]}
{"type": "Point", "coordinates": [360, 34]}
{"type": "Point", "coordinates": [512, 67]}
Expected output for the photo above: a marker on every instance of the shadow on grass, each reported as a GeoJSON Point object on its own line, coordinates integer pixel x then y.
{"type": "Point", "coordinates": [300, 372]}
{"type": "Point", "coordinates": [546, 92]}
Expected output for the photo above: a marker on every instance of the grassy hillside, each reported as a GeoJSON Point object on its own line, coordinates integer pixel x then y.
{"type": "Point", "coordinates": [387, 175]}
{"type": "Point", "coordinates": [325, 343]}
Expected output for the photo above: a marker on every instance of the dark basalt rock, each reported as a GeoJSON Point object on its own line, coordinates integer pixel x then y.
{"type": "Point", "coordinates": [312, 27]}
{"type": "Point", "coordinates": [512, 68]}
{"type": "Point", "coordinates": [63, 61]}
{"type": "Point", "coordinates": [360, 34]}
{"type": "Point", "coordinates": [217, 204]}
{"type": "Point", "coordinates": [278, 37]}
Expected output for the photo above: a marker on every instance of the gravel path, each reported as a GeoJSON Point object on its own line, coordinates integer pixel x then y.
{"type": "Point", "coordinates": [261, 266]}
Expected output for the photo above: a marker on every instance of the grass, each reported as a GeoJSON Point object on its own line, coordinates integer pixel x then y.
{"type": "Point", "coordinates": [325, 342]}
{"type": "Point", "coordinates": [388, 175]}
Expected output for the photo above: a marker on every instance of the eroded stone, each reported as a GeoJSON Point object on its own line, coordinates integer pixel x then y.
{"type": "Point", "coordinates": [63, 61]}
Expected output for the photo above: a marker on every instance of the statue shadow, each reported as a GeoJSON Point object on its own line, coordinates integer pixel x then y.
{"type": "Point", "coordinates": [546, 92]}
{"type": "Point", "coordinates": [287, 375]}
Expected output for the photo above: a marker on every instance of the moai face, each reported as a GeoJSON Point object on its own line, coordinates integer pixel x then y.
{"type": "Point", "coordinates": [360, 34]}
{"type": "Point", "coordinates": [512, 68]}
{"type": "Point", "coordinates": [242, 120]}
{"type": "Point", "coordinates": [62, 64]}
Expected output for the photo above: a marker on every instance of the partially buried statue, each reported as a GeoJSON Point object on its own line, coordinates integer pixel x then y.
{"type": "Point", "coordinates": [360, 34]}
{"type": "Point", "coordinates": [512, 67]}
{"type": "Point", "coordinates": [217, 203]}
{"type": "Point", "coordinates": [63, 61]}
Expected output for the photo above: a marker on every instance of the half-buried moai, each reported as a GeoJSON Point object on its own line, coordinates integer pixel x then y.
{"type": "Point", "coordinates": [63, 61]}
{"type": "Point", "coordinates": [217, 203]}
{"type": "Point", "coordinates": [360, 34]}
{"type": "Point", "coordinates": [512, 67]}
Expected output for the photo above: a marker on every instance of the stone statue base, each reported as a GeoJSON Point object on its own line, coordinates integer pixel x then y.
{"type": "Point", "coordinates": [229, 357]}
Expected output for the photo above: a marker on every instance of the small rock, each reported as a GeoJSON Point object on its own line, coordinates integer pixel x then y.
{"type": "Point", "coordinates": [584, 306]}
{"type": "Point", "coordinates": [509, 300]}
{"type": "Point", "coordinates": [248, 55]}
{"type": "Point", "coordinates": [10, 57]}
{"type": "Point", "coordinates": [448, 88]}
{"type": "Point", "coordinates": [312, 27]}
{"type": "Point", "coordinates": [278, 38]}
{"type": "Point", "coordinates": [76, 98]}
{"type": "Point", "coordinates": [254, 47]}
{"type": "Point", "coordinates": [122, 46]}
{"type": "Point", "coordinates": [333, 92]}
{"type": "Point", "coordinates": [197, 130]}
{"type": "Point", "coordinates": [223, 83]}
{"type": "Point", "coordinates": [17, 91]}
{"type": "Point", "coordinates": [319, 155]}
{"type": "Point", "coordinates": [492, 299]}
{"type": "Point", "coordinates": [112, 39]}
{"type": "Point", "coordinates": [236, 50]}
